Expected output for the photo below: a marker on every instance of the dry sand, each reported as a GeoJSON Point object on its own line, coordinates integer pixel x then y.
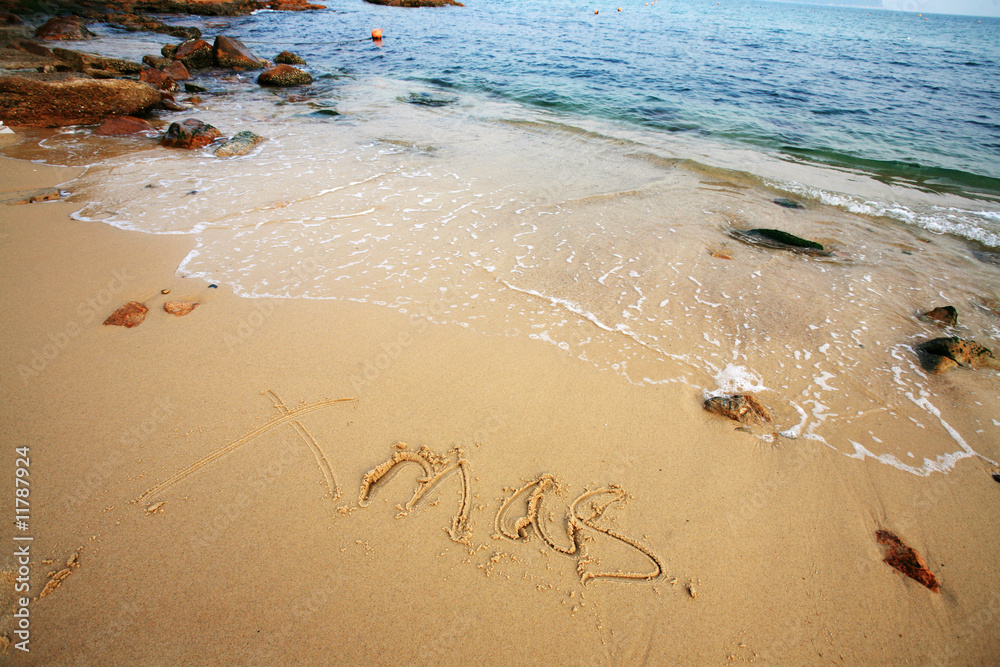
{"type": "Point", "coordinates": [768, 551]}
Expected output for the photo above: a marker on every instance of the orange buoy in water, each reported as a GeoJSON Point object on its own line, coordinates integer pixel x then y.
{"type": "Point", "coordinates": [377, 33]}
{"type": "Point", "coordinates": [595, 11]}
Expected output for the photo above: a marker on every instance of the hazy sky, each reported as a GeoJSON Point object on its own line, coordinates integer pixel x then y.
{"type": "Point", "coordinates": [973, 7]}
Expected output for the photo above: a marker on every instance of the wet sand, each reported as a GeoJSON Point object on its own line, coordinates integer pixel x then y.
{"type": "Point", "coordinates": [262, 554]}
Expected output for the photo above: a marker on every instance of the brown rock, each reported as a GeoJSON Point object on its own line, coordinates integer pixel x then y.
{"type": "Point", "coordinates": [283, 75]}
{"type": "Point", "coordinates": [157, 61]}
{"type": "Point", "coordinates": [288, 58]}
{"type": "Point", "coordinates": [170, 105]}
{"type": "Point", "coordinates": [64, 27]}
{"type": "Point", "coordinates": [57, 100]}
{"type": "Point", "coordinates": [158, 79]}
{"type": "Point", "coordinates": [231, 52]}
{"type": "Point", "coordinates": [416, 3]}
{"type": "Point", "coordinates": [180, 308]}
{"type": "Point", "coordinates": [899, 555]}
{"type": "Point", "coordinates": [130, 315]}
{"type": "Point", "coordinates": [168, 50]}
{"type": "Point", "coordinates": [84, 62]}
{"type": "Point", "coordinates": [191, 133]}
{"type": "Point", "coordinates": [7, 18]}
{"type": "Point", "coordinates": [137, 23]}
{"type": "Point", "coordinates": [944, 354]}
{"type": "Point", "coordinates": [946, 315]}
{"type": "Point", "coordinates": [176, 71]}
{"type": "Point", "coordinates": [744, 408]}
{"type": "Point", "coordinates": [122, 126]}
{"type": "Point", "coordinates": [34, 48]}
{"type": "Point", "coordinates": [292, 6]}
{"type": "Point", "coordinates": [194, 53]}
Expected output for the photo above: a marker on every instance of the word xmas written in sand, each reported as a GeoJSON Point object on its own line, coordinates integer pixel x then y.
{"type": "Point", "coordinates": [519, 513]}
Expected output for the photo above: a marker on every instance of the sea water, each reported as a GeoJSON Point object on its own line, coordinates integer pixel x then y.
{"type": "Point", "coordinates": [541, 171]}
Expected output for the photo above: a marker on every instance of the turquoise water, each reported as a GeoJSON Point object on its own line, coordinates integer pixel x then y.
{"type": "Point", "coordinates": [905, 99]}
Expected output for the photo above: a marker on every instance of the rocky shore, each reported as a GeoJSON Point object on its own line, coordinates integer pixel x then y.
{"type": "Point", "coordinates": [44, 85]}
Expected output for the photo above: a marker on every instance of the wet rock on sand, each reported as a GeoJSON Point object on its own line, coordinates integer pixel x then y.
{"type": "Point", "coordinates": [744, 408]}
{"type": "Point", "coordinates": [284, 75]}
{"type": "Point", "coordinates": [55, 100]}
{"type": "Point", "coordinates": [130, 315]}
{"type": "Point", "coordinates": [779, 240]}
{"type": "Point", "coordinates": [190, 133]}
{"type": "Point", "coordinates": [901, 556]}
{"type": "Point", "coordinates": [180, 308]}
{"type": "Point", "coordinates": [946, 315]}
{"type": "Point", "coordinates": [240, 144]}
{"type": "Point", "coordinates": [944, 354]}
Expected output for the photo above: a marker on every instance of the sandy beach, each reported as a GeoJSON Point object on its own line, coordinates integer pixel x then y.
{"type": "Point", "coordinates": [767, 549]}
{"type": "Point", "coordinates": [441, 398]}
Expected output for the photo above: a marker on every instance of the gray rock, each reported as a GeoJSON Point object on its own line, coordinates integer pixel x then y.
{"type": "Point", "coordinates": [240, 144]}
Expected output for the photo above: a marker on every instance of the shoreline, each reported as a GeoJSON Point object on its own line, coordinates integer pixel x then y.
{"type": "Point", "coordinates": [773, 543]}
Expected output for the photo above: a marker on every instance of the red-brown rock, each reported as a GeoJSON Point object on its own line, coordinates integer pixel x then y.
{"type": "Point", "coordinates": [176, 71]}
{"type": "Point", "coordinates": [899, 555]}
{"type": "Point", "coordinates": [194, 53]}
{"type": "Point", "coordinates": [57, 100]}
{"type": "Point", "coordinates": [744, 408]}
{"type": "Point", "coordinates": [158, 79]}
{"type": "Point", "coordinates": [190, 133]}
{"type": "Point", "coordinates": [180, 308]}
{"type": "Point", "coordinates": [122, 126]}
{"type": "Point", "coordinates": [292, 5]}
{"type": "Point", "coordinates": [231, 52]}
{"type": "Point", "coordinates": [130, 315]}
{"type": "Point", "coordinates": [64, 27]}
{"type": "Point", "coordinates": [34, 48]}
{"type": "Point", "coordinates": [88, 62]}
{"type": "Point", "coordinates": [283, 75]}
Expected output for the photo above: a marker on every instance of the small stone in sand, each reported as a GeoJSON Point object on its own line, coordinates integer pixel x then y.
{"type": "Point", "coordinates": [899, 555]}
{"type": "Point", "coordinates": [787, 203]}
{"type": "Point", "coordinates": [130, 315]}
{"type": "Point", "coordinates": [164, 291]}
{"type": "Point", "coordinates": [744, 408]}
{"type": "Point", "coordinates": [179, 308]}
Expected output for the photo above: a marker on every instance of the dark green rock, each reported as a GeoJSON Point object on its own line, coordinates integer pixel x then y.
{"type": "Point", "coordinates": [787, 203]}
{"type": "Point", "coordinates": [428, 100]}
{"type": "Point", "coordinates": [779, 240]}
